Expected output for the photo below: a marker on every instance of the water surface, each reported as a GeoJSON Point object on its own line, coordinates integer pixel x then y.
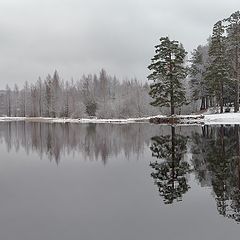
{"type": "Point", "coordinates": [117, 182]}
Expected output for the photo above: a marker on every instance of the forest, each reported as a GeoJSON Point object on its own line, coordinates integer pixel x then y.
{"type": "Point", "coordinates": [178, 84]}
{"type": "Point", "coordinates": [103, 96]}
{"type": "Point", "coordinates": [211, 75]}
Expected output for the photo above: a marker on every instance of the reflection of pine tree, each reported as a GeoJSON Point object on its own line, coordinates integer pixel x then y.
{"type": "Point", "coordinates": [218, 164]}
{"type": "Point", "coordinates": [235, 178]}
{"type": "Point", "coordinates": [199, 150]}
{"type": "Point", "coordinates": [169, 175]}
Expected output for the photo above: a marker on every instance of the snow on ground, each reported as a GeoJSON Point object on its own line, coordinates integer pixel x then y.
{"type": "Point", "coordinates": [96, 120]}
{"type": "Point", "coordinates": [71, 120]}
{"type": "Point", "coordinates": [224, 118]}
{"type": "Point", "coordinates": [12, 119]}
{"type": "Point", "coordinates": [216, 118]}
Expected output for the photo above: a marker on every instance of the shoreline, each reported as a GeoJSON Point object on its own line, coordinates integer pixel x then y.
{"type": "Point", "coordinates": [72, 120]}
{"type": "Point", "coordinates": [207, 119]}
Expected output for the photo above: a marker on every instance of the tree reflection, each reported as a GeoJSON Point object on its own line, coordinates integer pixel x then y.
{"type": "Point", "coordinates": [170, 174]}
{"type": "Point", "coordinates": [93, 141]}
{"type": "Point", "coordinates": [216, 160]}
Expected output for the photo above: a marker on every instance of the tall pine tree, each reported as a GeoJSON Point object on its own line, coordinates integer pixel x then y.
{"type": "Point", "coordinates": [217, 73]}
{"type": "Point", "coordinates": [233, 50]}
{"type": "Point", "coordinates": [199, 64]}
{"type": "Point", "coordinates": [168, 70]}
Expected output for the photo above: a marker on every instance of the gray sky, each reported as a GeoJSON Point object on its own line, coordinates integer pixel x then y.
{"type": "Point", "coordinates": [82, 36]}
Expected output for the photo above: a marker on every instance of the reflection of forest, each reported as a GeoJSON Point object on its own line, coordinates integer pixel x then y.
{"type": "Point", "coordinates": [212, 152]}
{"type": "Point", "coordinates": [216, 161]}
{"type": "Point", "coordinates": [93, 141]}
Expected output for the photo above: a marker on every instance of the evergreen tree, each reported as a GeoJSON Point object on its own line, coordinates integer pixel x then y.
{"type": "Point", "coordinates": [197, 70]}
{"type": "Point", "coordinates": [217, 74]}
{"type": "Point", "coordinates": [233, 51]}
{"type": "Point", "coordinates": [168, 70]}
{"type": "Point", "coordinates": [8, 101]}
{"type": "Point", "coordinates": [103, 79]}
{"type": "Point", "coordinates": [16, 101]}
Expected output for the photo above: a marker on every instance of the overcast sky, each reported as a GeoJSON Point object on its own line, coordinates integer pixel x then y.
{"type": "Point", "coordinates": [83, 36]}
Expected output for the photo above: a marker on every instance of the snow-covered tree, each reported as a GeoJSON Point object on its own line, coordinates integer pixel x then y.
{"type": "Point", "coordinates": [167, 72]}
{"type": "Point", "coordinates": [103, 96]}
{"type": "Point", "coordinates": [8, 101]}
{"type": "Point", "coordinates": [233, 51]}
{"type": "Point", "coordinates": [199, 62]}
{"type": "Point", "coordinates": [217, 74]}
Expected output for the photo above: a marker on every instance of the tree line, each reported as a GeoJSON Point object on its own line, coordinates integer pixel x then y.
{"type": "Point", "coordinates": [215, 67]}
{"type": "Point", "coordinates": [212, 77]}
{"type": "Point", "coordinates": [102, 95]}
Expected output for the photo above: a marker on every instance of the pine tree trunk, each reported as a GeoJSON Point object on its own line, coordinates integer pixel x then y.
{"type": "Point", "coordinates": [221, 98]}
{"type": "Point", "coordinates": [202, 104]}
{"type": "Point", "coordinates": [236, 105]}
{"type": "Point", "coordinates": [9, 106]}
{"type": "Point", "coordinates": [207, 102]}
{"type": "Point", "coordinates": [172, 100]}
{"type": "Point", "coordinates": [172, 106]}
{"type": "Point", "coordinates": [173, 156]}
{"type": "Point", "coordinates": [171, 93]}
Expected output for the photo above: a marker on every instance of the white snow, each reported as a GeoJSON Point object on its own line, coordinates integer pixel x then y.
{"type": "Point", "coordinates": [224, 118]}
{"type": "Point", "coordinates": [71, 120]}
{"type": "Point", "coordinates": [12, 119]}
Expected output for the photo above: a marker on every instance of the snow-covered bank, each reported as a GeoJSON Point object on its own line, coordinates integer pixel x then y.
{"type": "Point", "coordinates": [224, 118]}
{"type": "Point", "coordinates": [12, 119]}
{"type": "Point", "coordinates": [208, 119]}
{"type": "Point", "coordinates": [71, 120]}
{"type": "Point", "coordinates": [95, 120]}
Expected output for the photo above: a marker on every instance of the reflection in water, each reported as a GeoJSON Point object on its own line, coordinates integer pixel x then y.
{"type": "Point", "coordinates": [212, 153]}
{"type": "Point", "coordinates": [170, 174]}
{"type": "Point", "coordinates": [91, 140]}
{"type": "Point", "coordinates": [216, 160]}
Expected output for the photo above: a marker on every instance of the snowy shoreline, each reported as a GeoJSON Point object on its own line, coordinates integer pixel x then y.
{"type": "Point", "coordinates": [208, 119]}
{"type": "Point", "coordinates": [72, 120]}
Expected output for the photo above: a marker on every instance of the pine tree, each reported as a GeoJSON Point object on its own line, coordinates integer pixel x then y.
{"type": "Point", "coordinates": [168, 70]}
{"type": "Point", "coordinates": [16, 100]}
{"type": "Point", "coordinates": [218, 72]}
{"type": "Point", "coordinates": [56, 94]}
{"type": "Point", "coordinates": [8, 101]}
{"type": "Point", "coordinates": [103, 79]}
{"type": "Point", "coordinates": [233, 50]}
{"type": "Point", "coordinates": [199, 63]}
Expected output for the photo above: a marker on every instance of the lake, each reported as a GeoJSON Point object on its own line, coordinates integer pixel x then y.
{"type": "Point", "coordinates": [119, 182]}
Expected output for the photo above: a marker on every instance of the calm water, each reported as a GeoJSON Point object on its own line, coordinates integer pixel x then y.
{"type": "Point", "coordinates": [119, 182]}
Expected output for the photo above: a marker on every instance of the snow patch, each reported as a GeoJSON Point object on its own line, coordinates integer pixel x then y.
{"type": "Point", "coordinates": [224, 118]}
